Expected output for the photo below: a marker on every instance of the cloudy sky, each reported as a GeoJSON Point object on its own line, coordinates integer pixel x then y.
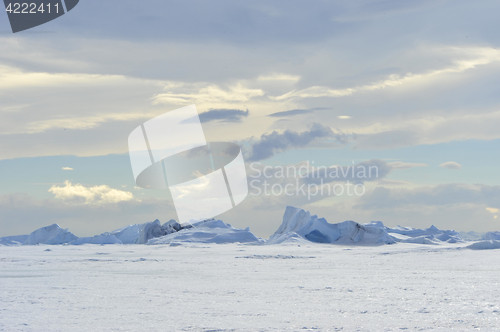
{"type": "Point", "coordinates": [409, 86]}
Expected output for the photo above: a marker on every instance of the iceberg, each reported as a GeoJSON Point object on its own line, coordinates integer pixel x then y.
{"type": "Point", "coordinates": [15, 240]}
{"type": "Point", "coordinates": [471, 236]}
{"type": "Point", "coordinates": [484, 245]}
{"type": "Point", "coordinates": [149, 231]}
{"type": "Point", "coordinates": [128, 234]}
{"type": "Point", "coordinates": [491, 236]}
{"type": "Point", "coordinates": [431, 235]}
{"type": "Point", "coordinates": [141, 233]}
{"type": "Point", "coordinates": [209, 231]}
{"type": "Point", "coordinates": [132, 234]}
{"type": "Point", "coordinates": [105, 238]}
{"type": "Point", "coordinates": [298, 226]}
{"type": "Point", "coordinates": [298, 223]}
{"type": "Point", "coordinates": [52, 234]}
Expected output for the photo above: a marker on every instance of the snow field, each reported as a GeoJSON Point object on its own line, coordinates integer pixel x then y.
{"type": "Point", "coordinates": [231, 287]}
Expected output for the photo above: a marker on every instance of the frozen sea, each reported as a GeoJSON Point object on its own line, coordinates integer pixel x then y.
{"type": "Point", "coordinates": [233, 287]}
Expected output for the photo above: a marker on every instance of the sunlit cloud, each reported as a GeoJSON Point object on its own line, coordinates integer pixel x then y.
{"type": "Point", "coordinates": [399, 165]}
{"type": "Point", "coordinates": [279, 77]}
{"type": "Point", "coordinates": [78, 194]}
{"type": "Point", "coordinates": [451, 165]}
{"type": "Point", "coordinates": [474, 57]}
{"type": "Point", "coordinates": [209, 94]}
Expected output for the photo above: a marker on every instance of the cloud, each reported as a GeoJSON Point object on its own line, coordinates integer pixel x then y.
{"type": "Point", "coordinates": [451, 165]}
{"type": "Point", "coordinates": [210, 94]}
{"type": "Point", "coordinates": [402, 165]}
{"type": "Point", "coordinates": [279, 77]}
{"type": "Point", "coordinates": [81, 123]}
{"type": "Point", "coordinates": [224, 115]}
{"type": "Point", "coordinates": [67, 169]}
{"type": "Point", "coordinates": [22, 214]}
{"type": "Point", "coordinates": [448, 206]}
{"type": "Point", "coordinates": [289, 113]}
{"type": "Point", "coordinates": [98, 195]}
{"type": "Point", "coordinates": [12, 78]}
{"type": "Point", "coordinates": [274, 187]}
{"type": "Point", "coordinates": [269, 144]}
{"type": "Point", "coordinates": [471, 58]}
{"type": "Point", "coordinates": [371, 170]}
{"type": "Point", "coordinates": [439, 195]}
{"type": "Point", "coordinates": [387, 139]}
{"type": "Point", "coordinates": [39, 101]}
{"type": "Point", "coordinates": [492, 210]}
{"type": "Point", "coordinates": [70, 101]}
{"type": "Point", "coordinates": [429, 129]}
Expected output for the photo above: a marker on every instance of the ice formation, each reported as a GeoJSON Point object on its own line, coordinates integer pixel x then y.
{"type": "Point", "coordinates": [485, 245]}
{"type": "Point", "coordinates": [431, 235]}
{"type": "Point", "coordinates": [205, 231]}
{"type": "Point", "coordinates": [104, 238]}
{"type": "Point", "coordinates": [298, 223]}
{"type": "Point", "coordinates": [210, 231]}
{"type": "Point", "coordinates": [298, 226]}
{"type": "Point", "coordinates": [13, 240]}
{"type": "Point", "coordinates": [52, 234]}
{"type": "Point", "coordinates": [141, 233]}
{"type": "Point", "coordinates": [491, 236]}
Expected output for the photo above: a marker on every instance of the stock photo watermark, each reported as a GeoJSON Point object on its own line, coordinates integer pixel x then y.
{"type": "Point", "coordinates": [24, 15]}
{"type": "Point", "coordinates": [309, 180]}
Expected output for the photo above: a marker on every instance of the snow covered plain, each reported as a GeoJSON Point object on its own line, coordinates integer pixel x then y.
{"type": "Point", "coordinates": [210, 276]}
{"type": "Point", "coordinates": [237, 287]}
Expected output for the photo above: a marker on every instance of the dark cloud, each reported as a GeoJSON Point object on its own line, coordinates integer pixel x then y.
{"type": "Point", "coordinates": [269, 144]}
{"type": "Point", "coordinates": [224, 115]}
{"type": "Point", "coordinates": [253, 21]}
{"type": "Point", "coordinates": [289, 113]}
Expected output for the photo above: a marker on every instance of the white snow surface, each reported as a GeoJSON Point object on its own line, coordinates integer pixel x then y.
{"type": "Point", "coordinates": [187, 281]}
{"type": "Point", "coordinates": [211, 231]}
{"type": "Point", "coordinates": [209, 287]}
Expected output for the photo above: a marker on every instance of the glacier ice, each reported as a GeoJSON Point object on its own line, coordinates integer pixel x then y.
{"type": "Point", "coordinates": [105, 238]}
{"type": "Point", "coordinates": [298, 226]}
{"type": "Point", "coordinates": [141, 233]}
{"type": "Point", "coordinates": [210, 231]}
{"type": "Point", "coordinates": [52, 234]}
{"type": "Point", "coordinates": [299, 223]}
{"type": "Point", "coordinates": [13, 240]}
{"type": "Point", "coordinates": [491, 236]}
{"type": "Point", "coordinates": [484, 245]}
